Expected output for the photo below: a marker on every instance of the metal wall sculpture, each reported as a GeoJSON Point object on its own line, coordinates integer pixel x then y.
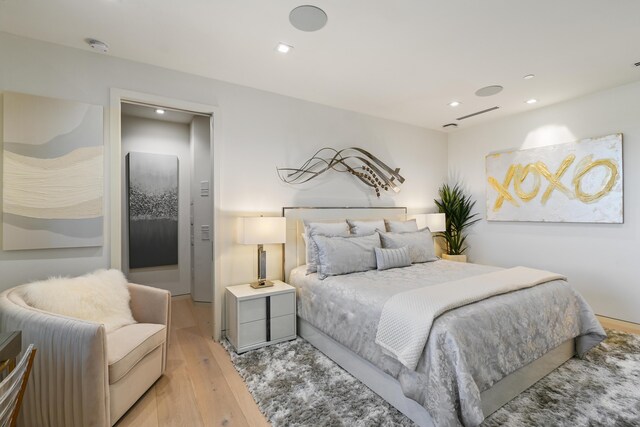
{"type": "Point", "coordinates": [153, 209]}
{"type": "Point", "coordinates": [575, 182]}
{"type": "Point", "coordinates": [360, 163]}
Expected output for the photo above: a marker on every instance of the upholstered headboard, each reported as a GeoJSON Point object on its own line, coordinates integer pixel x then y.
{"type": "Point", "coordinates": [294, 250]}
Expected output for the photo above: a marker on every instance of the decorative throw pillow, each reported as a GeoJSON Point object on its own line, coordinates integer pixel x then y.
{"type": "Point", "coordinates": [365, 228]}
{"type": "Point", "coordinates": [101, 296]}
{"type": "Point", "coordinates": [344, 255]}
{"type": "Point", "coordinates": [401, 226]}
{"type": "Point", "coordinates": [392, 258]}
{"type": "Point", "coordinates": [420, 244]}
{"type": "Point", "coordinates": [312, 229]}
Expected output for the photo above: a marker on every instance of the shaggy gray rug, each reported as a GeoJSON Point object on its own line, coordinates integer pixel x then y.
{"type": "Point", "coordinates": [603, 389]}
{"type": "Point", "coordinates": [296, 385]}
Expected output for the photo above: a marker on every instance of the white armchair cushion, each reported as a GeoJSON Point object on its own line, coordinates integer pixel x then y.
{"type": "Point", "coordinates": [130, 344]}
{"type": "Point", "coordinates": [101, 297]}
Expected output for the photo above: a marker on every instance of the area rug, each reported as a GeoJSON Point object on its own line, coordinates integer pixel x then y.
{"type": "Point", "coordinates": [296, 385]}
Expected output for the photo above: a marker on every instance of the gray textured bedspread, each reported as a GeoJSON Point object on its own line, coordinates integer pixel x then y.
{"type": "Point", "coordinates": [469, 348]}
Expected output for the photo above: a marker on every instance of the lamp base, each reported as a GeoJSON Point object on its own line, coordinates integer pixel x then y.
{"type": "Point", "coordinates": [261, 284]}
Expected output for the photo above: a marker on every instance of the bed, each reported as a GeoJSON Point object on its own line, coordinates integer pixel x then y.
{"type": "Point", "coordinates": [478, 356]}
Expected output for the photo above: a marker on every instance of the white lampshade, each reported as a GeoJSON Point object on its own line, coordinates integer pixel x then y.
{"type": "Point", "coordinates": [435, 221]}
{"type": "Point", "coordinates": [261, 230]}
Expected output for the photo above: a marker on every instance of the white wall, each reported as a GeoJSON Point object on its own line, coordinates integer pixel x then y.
{"type": "Point", "coordinates": [259, 131]}
{"type": "Point", "coordinates": [202, 214]}
{"type": "Point", "coordinates": [600, 259]}
{"type": "Point", "coordinates": [160, 137]}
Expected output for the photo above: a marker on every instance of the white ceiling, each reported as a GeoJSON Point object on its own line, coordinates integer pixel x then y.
{"type": "Point", "coordinates": [402, 60]}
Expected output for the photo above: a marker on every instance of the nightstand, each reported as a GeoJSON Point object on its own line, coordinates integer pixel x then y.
{"type": "Point", "coordinates": [260, 317]}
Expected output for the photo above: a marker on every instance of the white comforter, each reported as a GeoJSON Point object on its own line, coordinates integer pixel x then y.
{"type": "Point", "coordinates": [407, 317]}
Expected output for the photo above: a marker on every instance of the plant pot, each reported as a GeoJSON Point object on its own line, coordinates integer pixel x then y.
{"type": "Point", "coordinates": [456, 258]}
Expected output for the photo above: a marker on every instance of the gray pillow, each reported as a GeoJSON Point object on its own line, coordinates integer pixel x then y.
{"type": "Point", "coordinates": [420, 244]}
{"type": "Point", "coordinates": [401, 226]}
{"type": "Point", "coordinates": [311, 229]}
{"type": "Point", "coordinates": [344, 255]}
{"type": "Point", "coordinates": [365, 228]}
{"type": "Point", "coordinates": [392, 258]}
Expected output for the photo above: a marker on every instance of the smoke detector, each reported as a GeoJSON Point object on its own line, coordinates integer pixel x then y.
{"type": "Point", "coordinates": [98, 45]}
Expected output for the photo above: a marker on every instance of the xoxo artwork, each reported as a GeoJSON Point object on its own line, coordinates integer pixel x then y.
{"type": "Point", "coordinates": [576, 182]}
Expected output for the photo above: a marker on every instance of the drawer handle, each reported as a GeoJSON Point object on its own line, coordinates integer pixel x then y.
{"type": "Point", "coordinates": [268, 322]}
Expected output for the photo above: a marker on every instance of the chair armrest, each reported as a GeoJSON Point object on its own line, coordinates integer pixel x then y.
{"type": "Point", "coordinates": [69, 383]}
{"type": "Point", "coordinates": [150, 305]}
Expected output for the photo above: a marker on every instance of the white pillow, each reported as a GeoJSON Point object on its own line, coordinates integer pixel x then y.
{"type": "Point", "coordinates": [401, 226]}
{"type": "Point", "coordinates": [419, 243]}
{"type": "Point", "coordinates": [392, 258]}
{"type": "Point", "coordinates": [344, 255]}
{"type": "Point", "coordinates": [311, 229]}
{"type": "Point", "coordinates": [101, 296]}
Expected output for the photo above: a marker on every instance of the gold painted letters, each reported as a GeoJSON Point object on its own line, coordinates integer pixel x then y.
{"type": "Point", "coordinates": [518, 173]}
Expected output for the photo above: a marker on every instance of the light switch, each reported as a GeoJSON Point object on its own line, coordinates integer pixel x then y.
{"type": "Point", "coordinates": [204, 188]}
{"type": "Point", "coordinates": [204, 233]}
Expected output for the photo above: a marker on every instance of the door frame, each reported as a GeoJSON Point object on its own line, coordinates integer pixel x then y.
{"type": "Point", "coordinates": [117, 96]}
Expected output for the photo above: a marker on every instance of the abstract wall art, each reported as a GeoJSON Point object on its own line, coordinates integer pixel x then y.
{"type": "Point", "coordinates": [576, 182]}
{"type": "Point", "coordinates": [363, 165]}
{"type": "Point", "coordinates": [153, 209]}
{"type": "Point", "coordinates": [52, 178]}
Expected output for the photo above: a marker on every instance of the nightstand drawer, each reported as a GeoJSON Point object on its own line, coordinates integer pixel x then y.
{"type": "Point", "coordinates": [259, 317]}
{"type": "Point", "coordinates": [283, 326]}
{"type": "Point", "coordinates": [283, 304]}
{"type": "Point", "coordinates": [252, 333]}
{"type": "Point", "coordinates": [252, 310]}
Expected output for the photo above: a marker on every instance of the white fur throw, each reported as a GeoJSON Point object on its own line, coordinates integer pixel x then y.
{"type": "Point", "coordinates": [101, 296]}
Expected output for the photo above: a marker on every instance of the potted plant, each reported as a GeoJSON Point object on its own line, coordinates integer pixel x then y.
{"type": "Point", "coordinates": [457, 207]}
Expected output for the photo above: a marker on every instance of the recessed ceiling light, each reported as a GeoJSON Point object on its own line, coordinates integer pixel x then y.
{"type": "Point", "coordinates": [283, 48]}
{"type": "Point", "coordinates": [159, 111]}
{"type": "Point", "coordinates": [98, 45]}
{"type": "Point", "coordinates": [454, 103]}
{"type": "Point", "coordinates": [489, 90]}
{"type": "Point", "coordinates": [529, 76]}
{"type": "Point", "coordinates": [531, 101]}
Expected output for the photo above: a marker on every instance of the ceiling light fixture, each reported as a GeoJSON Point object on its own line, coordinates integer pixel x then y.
{"type": "Point", "coordinates": [454, 103]}
{"type": "Point", "coordinates": [283, 48]}
{"type": "Point", "coordinates": [159, 111]}
{"type": "Point", "coordinates": [98, 45]}
{"type": "Point", "coordinates": [529, 76]}
{"type": "Point", "coordinates": [531, 101]}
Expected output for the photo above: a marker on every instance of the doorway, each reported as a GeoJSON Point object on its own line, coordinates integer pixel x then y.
{"type": "Point", "coordinates": [118, 96]}
{"type": "Point", "coordinates": [166, 205]}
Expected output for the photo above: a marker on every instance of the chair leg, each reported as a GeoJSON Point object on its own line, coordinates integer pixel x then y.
{"type": "Point", "coordinates": [25, 379]}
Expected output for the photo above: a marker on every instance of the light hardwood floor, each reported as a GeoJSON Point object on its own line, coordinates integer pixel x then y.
{"type": "Point", "coordinates": [201, 387]}
{"type": "Point", "coordinates": [620, 325]}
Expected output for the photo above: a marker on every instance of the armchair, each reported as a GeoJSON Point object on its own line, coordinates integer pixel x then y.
{"type": "Point", "coordinates": [82, 375]}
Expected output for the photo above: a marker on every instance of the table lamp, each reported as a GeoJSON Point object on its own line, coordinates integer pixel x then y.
{"type": "Point", "coordinates": [435, 221]}
{"type": "Point", "coordinates": [262, 231]}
